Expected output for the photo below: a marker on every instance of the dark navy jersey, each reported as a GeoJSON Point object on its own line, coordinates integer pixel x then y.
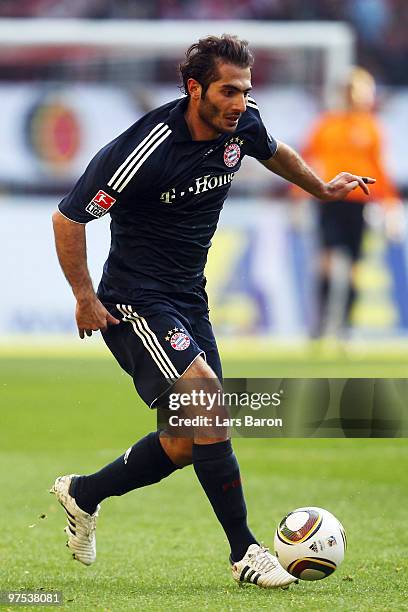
{"type": "Point", "coordinates": [164, 193]}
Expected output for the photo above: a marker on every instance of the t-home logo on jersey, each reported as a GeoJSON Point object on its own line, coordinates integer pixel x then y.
{"type": "Point", "coordinates": [100, 204]}
{"type": "Point", "coordinates": [201, 184]}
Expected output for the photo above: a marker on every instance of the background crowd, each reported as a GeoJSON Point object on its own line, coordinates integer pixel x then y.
{"type": "Point", "coordinates": [381, 25]}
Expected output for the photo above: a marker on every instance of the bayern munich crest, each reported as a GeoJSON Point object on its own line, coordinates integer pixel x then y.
{"type": "Point", "coordinates": [178, 339]}
{"type": "Point", "coordinates": [232, 152]}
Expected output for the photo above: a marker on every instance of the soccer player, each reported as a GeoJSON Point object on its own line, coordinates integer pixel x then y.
{"type": "Point", "coordinates": [164, 182]}
{"type": "Point", "coordinates": [349, 135]}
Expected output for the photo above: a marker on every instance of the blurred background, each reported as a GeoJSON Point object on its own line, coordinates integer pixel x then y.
{"type": "Point", "coordinates": [73, 75]}
{"type": "Point", "coordinates": [76, 73]}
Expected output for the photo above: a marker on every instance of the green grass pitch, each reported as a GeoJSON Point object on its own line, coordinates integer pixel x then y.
{"type": "Point", "coordinates": [161, 547]}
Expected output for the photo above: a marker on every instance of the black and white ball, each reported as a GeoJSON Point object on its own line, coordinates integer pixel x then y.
{"type": "Point", "coordinates": [310, 543]}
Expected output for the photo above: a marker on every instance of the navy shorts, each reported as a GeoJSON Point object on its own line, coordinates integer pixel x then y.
{"type": "Point", "coordinates": [159, 337]}
{"type": "Point", "coordinates": [341, 225]}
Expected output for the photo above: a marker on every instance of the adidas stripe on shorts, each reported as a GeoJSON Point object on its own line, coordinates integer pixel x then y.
{"type": "Point", "coordinates": [158, 337]}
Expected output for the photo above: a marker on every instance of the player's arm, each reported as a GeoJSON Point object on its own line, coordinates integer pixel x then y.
{"type": "Point", "coordinates": [289, 165]}
{"type": "Point", "coordinates": [70, 241]}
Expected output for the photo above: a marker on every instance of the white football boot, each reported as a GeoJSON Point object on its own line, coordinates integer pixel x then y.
{"type": "Point", "coordinates": [259, 567]}
{"type": "Point", "coordinates": [81, 525]}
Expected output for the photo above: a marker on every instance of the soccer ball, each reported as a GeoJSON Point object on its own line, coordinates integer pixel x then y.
{"type": "Point", "coordinates": [310, 543]}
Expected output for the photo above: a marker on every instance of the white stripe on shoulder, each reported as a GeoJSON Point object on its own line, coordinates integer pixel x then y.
{"type": "Point", "coordinates": [251, 99]}
{"type": "Point", "coordinates": [253, 105]}
{"type": "Point", "coordinates": [134, 152]}
{"type": "Point", "coordinates": [139, 161]}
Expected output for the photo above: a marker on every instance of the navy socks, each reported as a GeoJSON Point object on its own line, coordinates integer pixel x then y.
{"type": "Point", "coordinates": [218, 472]}
{"type": "Point", "coordinates": [144, 464]}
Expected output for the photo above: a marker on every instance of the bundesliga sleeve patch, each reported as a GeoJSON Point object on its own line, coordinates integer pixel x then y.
{"type": "Point", "coordinates": [100, 204]}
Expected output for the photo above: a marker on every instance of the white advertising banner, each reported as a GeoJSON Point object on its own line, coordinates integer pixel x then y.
{"type": "Point", "coordinates": [251, 279]}
{"type": "Point", "coordinates": [36, 298]}
{"type": "Point", "coordinates": [49, 134]}
{"type": "Point", "coordinates": [50, 131]}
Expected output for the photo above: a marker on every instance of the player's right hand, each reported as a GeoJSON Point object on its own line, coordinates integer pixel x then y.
{"type": "Point", "coordinates": [91, 315]}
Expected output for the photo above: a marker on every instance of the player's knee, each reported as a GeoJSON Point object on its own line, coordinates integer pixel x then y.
{"type": "Point", "coordinates": [202, 384]}
{"type": "Point", "coordinates": [179, 450]}
{"type": "Point", "coordinates": [183, 452]}
{"type": "Point", "coordinates": [200, 370]}
{"type": "Point", "coordinates": [203, 403]}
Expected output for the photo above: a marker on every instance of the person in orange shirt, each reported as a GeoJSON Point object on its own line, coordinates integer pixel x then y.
{"type": "Point", "coordinates": [350, 138]}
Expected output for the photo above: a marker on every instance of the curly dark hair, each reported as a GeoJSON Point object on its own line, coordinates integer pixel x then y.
{"type": "Point", "coordinates": [202, 59]}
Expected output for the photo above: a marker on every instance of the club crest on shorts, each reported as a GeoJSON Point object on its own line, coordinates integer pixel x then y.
{"type": "Point", "coordinates": [100, 204]}
{"type": "Point", "coordinates": [178, 339]}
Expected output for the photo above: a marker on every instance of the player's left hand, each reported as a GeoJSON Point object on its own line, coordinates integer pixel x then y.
{"type": "Point", "coordinates": [339, 187]}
